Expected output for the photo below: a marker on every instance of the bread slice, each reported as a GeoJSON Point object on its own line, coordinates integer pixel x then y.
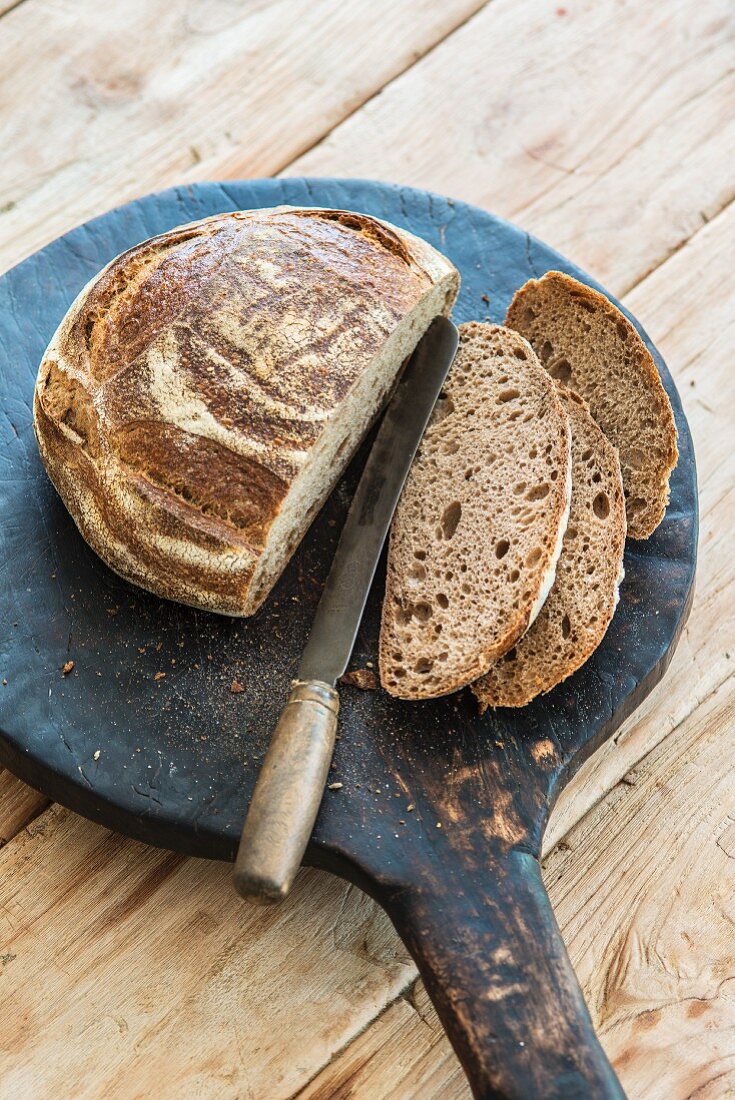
{"type": "Point", "coordinates": [205, 391]}
{"type": "Point", "coordinates": [590, 347]}
{"type": "Point", "coordinates": [478, 528]}
{"type": "Point", "coordinates": [573, 621]}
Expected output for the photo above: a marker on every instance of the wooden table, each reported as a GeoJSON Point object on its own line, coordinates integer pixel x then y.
{"type": "Point", "coordinates": [607, 128]}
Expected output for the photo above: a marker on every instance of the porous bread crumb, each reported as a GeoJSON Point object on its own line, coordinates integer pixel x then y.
{"type": "Point", "coordinates": [581, 604]}
{"type": "Point", "coordinates": [478, 527]}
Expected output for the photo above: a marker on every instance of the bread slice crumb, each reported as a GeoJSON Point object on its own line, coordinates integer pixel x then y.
{"type": "Point", "coordinates": [479, 526]}
{"type": "Point", "coordinates": [581, 604]}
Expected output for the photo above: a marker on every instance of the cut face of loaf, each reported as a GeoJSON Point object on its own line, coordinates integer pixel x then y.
{"type": "Point", "coordinates": [591, 348]}
{"type": "Point", "coordinates": [206, 390]}
{"type": "Point", "coordinates": [478, 528]}
{"type": "Point", "coordinates": [573, 621]}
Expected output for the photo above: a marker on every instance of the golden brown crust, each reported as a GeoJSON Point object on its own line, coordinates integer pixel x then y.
{"type": "Point", "coordinates": [190, 381]}
{"type": "Point", "coordinates": [591, 348]}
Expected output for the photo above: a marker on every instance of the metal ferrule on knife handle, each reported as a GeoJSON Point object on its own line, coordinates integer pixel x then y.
{"type": "Point", "coordinates": [288, 793]}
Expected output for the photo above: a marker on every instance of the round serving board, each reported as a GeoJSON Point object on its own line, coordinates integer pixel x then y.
{"type": "Point", "coordinates": [172, 759]}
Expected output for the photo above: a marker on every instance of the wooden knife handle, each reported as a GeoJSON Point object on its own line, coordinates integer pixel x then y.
{"type": "Point", "coordinates": [494, 964]}
{"type": "Point", "coordinates": [288, 793]}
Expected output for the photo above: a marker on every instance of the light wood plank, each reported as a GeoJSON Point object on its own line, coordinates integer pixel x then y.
{"type": "Point", "coordinates": [19, 804]}
{"type": "Point", "coordinates": [644, 893]}
{"type": "Point", "coordinates": [404, 1054]}
{"type": "Point", "coordinates": [100, 103]}
{"type": "Point", "coordinates": [125, 966]}
{"type": "Point", "coordinates": [606, 128]}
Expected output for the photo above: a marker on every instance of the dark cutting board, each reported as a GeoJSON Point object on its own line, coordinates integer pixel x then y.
{"type": "Point", "coordinates": [173, 761]}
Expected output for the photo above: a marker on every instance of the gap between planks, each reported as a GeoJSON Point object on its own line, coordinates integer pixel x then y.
{"type": "Point", "coordinates": [19, 805]}
{"type": "Point", "coordinates": [6, 8]}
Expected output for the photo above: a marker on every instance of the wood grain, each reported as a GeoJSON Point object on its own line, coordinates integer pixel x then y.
{"type": "Point", "coordinates": [608, 129]}
{"type": "Point", "coordinates": [19, 804]}
{"type": "Point", "coordinates": [644, 892]}
{"type": "Point", "coordinates": [404, 1054]}
{"type": "Point", "coordinates": [127, 965]}
{"type": "Point", "coordinates": [112, 101]}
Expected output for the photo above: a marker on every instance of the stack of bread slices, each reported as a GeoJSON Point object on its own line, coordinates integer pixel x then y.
{"type": "Point", "coordinates": [553, 439]}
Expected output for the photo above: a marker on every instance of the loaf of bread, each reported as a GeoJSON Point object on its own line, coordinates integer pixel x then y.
{"type": "Point", "coordinates": [205, 391]}
{"type": "Point", "coordinates": [591, 348]}
{"type": "Point", "coordinates": [580, 606]}
{"type": "Point", "coordinates": [478, 529]}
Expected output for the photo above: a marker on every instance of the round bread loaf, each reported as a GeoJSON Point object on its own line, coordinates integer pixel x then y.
{"type": "Point", "coordinates": [206, 390]}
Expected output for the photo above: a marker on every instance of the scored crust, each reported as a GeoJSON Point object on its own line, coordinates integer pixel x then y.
{"type": "Point", "coordinates": [478, 528]}
{"type": "Point", "coordinates": [206, 389]}
{"type": "Point", "coordinates": [591, 348]}
{"type": "Point", "coordinates": [581, 604]}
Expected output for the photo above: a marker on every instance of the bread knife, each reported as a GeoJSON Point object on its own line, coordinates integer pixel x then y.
{"type": "Point", "coordinates": [291, 782]}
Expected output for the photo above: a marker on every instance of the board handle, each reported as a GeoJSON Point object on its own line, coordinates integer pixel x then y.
{"type": "Point", "coordinates": [495, 966]}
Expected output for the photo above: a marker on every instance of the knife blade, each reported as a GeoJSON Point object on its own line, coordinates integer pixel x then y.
{"type": "Point", "coordinates": [290, 786]}
{"type": "Point", "coordinates": [345, 594]}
